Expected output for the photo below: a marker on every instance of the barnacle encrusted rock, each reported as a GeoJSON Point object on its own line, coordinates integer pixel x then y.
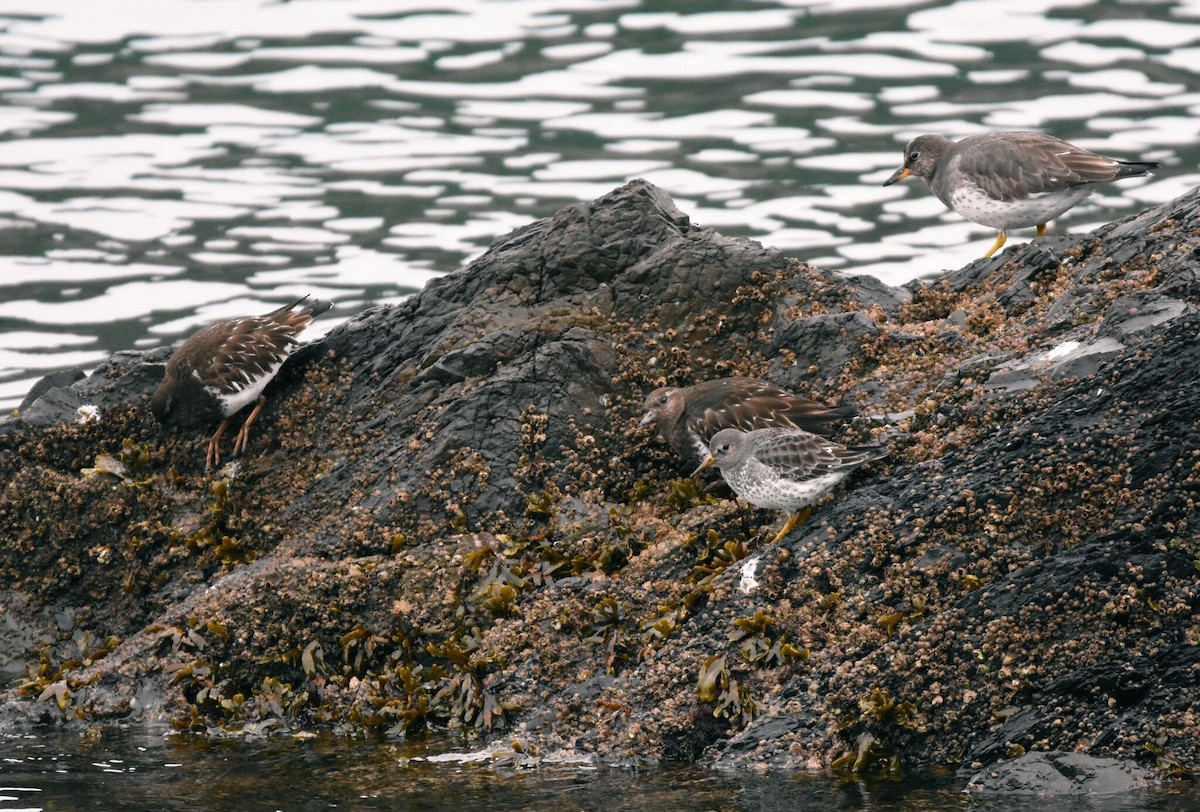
{"type": "Point", "coordinates": [449, 518]}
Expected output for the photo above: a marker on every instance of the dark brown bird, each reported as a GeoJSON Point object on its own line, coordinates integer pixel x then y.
{"type": "Point", "coordinates": [688, 417]}
{"type": "Point", "coordinates": [224, 367]}
{"type": "Point", "coordinates": [1010, 180]}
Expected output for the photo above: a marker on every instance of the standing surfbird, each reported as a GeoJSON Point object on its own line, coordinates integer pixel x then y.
{"type": "Point", "coordinates": [784, 469]}
{"type": "Point", "coordinates": [1010, 180]}
{"type": "Point", "coordinates": [225, 367]}
{"type": "Point", "coordinates": [688, 417]}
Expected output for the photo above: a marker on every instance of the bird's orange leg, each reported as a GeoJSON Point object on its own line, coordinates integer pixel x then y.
{"type": "Point", "coordinates": [1041, 230]}
{"type": "Point", "coordinates": [213, 456]}
{"type": "Point", "coordinates": [243, 437]}
{"type": "Point", "coordinates": [1000, 240]}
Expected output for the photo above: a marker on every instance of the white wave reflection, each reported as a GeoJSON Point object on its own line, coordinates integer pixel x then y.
{"type": "Point", "coordinates": [25, 119]}
{"type": "Point", "coordinates": [716, 22]}
{"type": "Point", "coordinates": [710, 61]}
{"type": "Point", "coordinates": [290, 234]}
{"type": "Point", "coordinates": [856, 102]}
{"type": "Point", "coordinates": [24, 270]}
{"type": "Point", "coordinates": [320, 55]}
{"type": "Point", "coordinates": [352, 267]}
{"type": "Point", "coordinates": [597, 170]}
{"type": "Point", "coordinates": [467, 239]}
{"type": "Point", "coordinates": [522, 109]}
{"type": "Point", "coordinates": [219, 258]}
{"type": "Point", "coordinates": [717, 123]}
{"type": "Point", "coordinates": [387, 146]}
{"type": "Point", "coordinates": [120, 302]}
{"type": "Point", "coordinates": [16, 362]}
{"type": "Point", "coordinates": [1187, 59]}
{"type": "Point", "coordinates": [126, 218]}
{"type": "Point", "coordinates": [987, 21]}
{"type": "Point", "coordinates": [306, 79]}
{"type": "Point", "coordinates": [190, 22]}
{"type": "Point", "coordinates": [120, 94]}
{"type": "Point", "coordinates": [575, 82]}
{"type": "Point", "coordinates": [207, 115]}
{"type": "Point", "coordinates": [1118, 81]}
{"type": "Point", "coordinates": [31, 340]}
{"type": "Point", "coordinates": [1148, 32]}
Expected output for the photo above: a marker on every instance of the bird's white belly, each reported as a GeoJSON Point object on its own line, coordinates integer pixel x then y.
{"type": "Point", "coordinates": [756, 485]}
{"type": "Point", "coordinates": [974, 204]}
{"type": "Point", "coordinates": [234, 402]}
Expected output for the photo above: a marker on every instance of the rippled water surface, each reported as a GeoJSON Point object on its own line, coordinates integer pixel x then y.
{"type": "Point", "coordinates": [139, 771]}
{"type": "Point", "coordinates": [164, 163]}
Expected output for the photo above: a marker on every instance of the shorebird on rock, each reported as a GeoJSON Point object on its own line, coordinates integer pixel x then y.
{"type": "Point", "coordinates": [1010, 180]}
{"type": "Point", "coordinates": [687, 417]}
{"type": "Point", "coordinates": [224, 368]}
{"type": "Point", "coordinates": [784, 469]}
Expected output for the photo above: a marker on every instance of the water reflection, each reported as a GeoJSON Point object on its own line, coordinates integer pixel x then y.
{"type": "Point", "coordinates": [156, 175]}
{"type": "Point", "coordinates": [138, 770]}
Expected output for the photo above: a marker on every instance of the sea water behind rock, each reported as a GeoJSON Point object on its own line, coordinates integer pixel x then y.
{"type": "Point", "coordinates": [183, 161]}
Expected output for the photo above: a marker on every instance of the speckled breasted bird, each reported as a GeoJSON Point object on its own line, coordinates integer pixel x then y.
{"type": "Point", "coordinates": [784, 469]}
{"type": "Point", "coordinates": [1012, 179]}
{"type": "Point", "coordinates": [224, 367]}
{"type": "Point", "coordinates": [687, 417]}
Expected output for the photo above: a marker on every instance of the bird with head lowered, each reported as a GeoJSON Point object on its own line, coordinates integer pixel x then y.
{"type": "Point", "coordinates": [687, 417]}
{"type": "Point", "coordinates": [224, 368]}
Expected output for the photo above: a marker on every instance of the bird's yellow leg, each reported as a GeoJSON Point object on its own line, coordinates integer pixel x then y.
{"type": "Point", "coordinates": [1041, 230]}
{"type": "Point", "coordinates": [797, 518]}
{"type": "Point", "coordinates": [1000, 240]}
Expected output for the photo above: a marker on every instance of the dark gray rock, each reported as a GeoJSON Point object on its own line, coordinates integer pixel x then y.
{"type": "Point", "coordinates": [55, 380]}
{"type": "Point", "coordinates": [448, 516]}
{"type": "Point", "coordinates": [1057, 773]}
{"type": "Point", "coordinates": [126, 378]}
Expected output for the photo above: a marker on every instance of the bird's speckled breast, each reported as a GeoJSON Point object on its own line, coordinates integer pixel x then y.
{"type": "Point", "coordinates": [763, 487]}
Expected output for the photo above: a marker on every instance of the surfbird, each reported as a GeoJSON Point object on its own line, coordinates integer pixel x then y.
{"type": "Point", "coordinates": [784, 469]}
{"type": "Point", "coordinates": [224, 367]}
{"type": "Point", "coordinates": [1012, 179]}
{"type": "Point", "coordinates": [687, 417]}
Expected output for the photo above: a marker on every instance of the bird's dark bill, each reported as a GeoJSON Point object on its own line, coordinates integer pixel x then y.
{"type": "Point", "coordinates": [900, 174]}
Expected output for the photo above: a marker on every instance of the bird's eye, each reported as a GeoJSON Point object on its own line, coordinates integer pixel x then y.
{"type": "Point", "coordinates": [912, 156]}
{"type": "Point", "coordinates": [662, 401]}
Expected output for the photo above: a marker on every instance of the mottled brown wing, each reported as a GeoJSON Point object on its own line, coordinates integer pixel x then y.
{"type": "Point", "coordinates": [1028, 164]}
{"type": "Point", "coordinates": [749, 404]}
{"type": "Point", "coordinates": [723, 391]}
{"type": "Point", "coordinates": [250, 348]}
{"type": "Point", "coordinates": [770, 411]}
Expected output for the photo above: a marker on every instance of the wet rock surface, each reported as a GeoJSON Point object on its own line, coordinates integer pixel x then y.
{"type": "Point", "coordinates": [1058, 773]}
{"type": "Point", "coordinates": [447, 516]}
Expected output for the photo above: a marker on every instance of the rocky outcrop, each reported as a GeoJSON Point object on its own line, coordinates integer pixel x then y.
{"type": "Point", "coordinates": [1058, 773]}
{"type": "Point", "coordinates": [448, 517]}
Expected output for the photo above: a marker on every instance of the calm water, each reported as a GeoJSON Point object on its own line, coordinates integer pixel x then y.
{"type": "Point", "coordinates": [134, 772]}
{"type": "Point", "coordinates": [186, 160]}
